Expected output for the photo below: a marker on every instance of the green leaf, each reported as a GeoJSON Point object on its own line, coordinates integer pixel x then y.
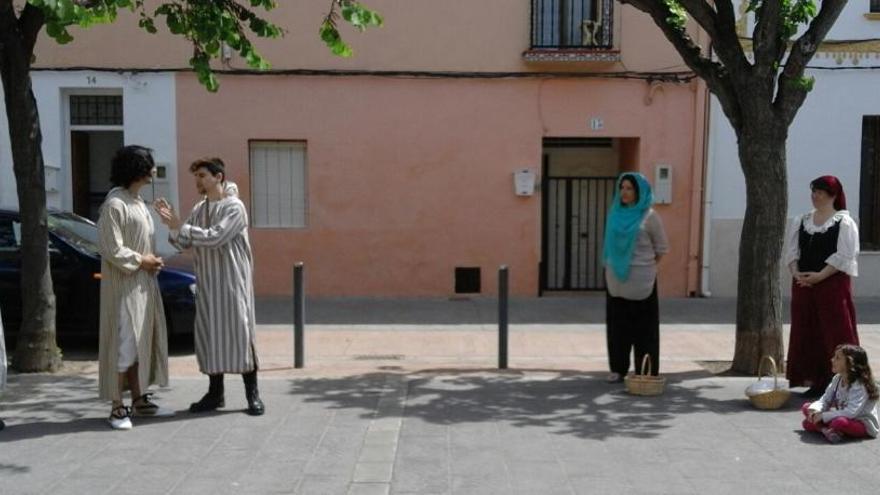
{"type": "Point", "coordinates": [147, 25]}
{"type": "Point", "coordinates": [347, 12]}
{"type": "Point", "coordinates": [213, 48]}
{"type": "Point", "coordinates": [804, 83]}
{"type": "Point", "coordinates": [339, 48]}
{"type": "Point", "coordinates": [329, 34]}
{"type": "Point", "coordinates": [677, 14]}
{"type": "Point", "coordinates": [175, 24]}
{"type": "Point", "coordinates": [65, 12]}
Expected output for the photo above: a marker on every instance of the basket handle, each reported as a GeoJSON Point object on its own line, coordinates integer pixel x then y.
{"type": "Point", "coordinates": [775, 370]}
{"type": "Point", "coordinates": [647, 361]}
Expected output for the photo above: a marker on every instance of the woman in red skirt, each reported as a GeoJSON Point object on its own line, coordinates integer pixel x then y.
{"type": "Point", "coordinates": [821, 252]}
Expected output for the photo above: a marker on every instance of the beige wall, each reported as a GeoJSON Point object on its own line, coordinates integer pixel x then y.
{"type": "Point", "coordinates": [408, 179]}
{"type": "Point", "coordinates": [583, 162]}
{"type": "Point", "coordinates": [464, 35]}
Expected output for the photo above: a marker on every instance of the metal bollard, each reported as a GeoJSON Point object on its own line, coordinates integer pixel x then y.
{"type": "Point", "coordinates": [299, 315]}
{"type": "Point", "coordinates": [502, 317]}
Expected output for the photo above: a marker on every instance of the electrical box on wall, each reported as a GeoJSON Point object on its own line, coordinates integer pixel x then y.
{"type": "Point", "coordinates": [663, 184]}
{"type": "Point", "coordinates": [160, 187]}
{"type": "Point", "coordinates": [524, 182]}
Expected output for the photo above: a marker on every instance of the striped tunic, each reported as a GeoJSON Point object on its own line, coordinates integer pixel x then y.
{"type": "Point", "coordinates": [125, 233]}
{"type": "Point", "coordinates": [216, 231]}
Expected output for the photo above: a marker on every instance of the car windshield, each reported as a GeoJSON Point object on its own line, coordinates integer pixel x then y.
{"type": "Point", "coordinates": [80, 232]}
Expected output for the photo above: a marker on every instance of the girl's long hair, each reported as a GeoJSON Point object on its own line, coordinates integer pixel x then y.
{"type": "Point", "coordinates": [858, 369]}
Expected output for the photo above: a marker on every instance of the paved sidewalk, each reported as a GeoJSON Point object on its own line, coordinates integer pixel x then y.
{"type": "Point", "coordinates": [388, 405]}
{"type": "Point", "coordinates": [426, 433]}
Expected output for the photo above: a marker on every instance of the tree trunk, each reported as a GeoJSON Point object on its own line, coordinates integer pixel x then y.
{"type": "Point", "coordinates": [36, 349]}
{"type": "Point", "coordinates": [759, 303]}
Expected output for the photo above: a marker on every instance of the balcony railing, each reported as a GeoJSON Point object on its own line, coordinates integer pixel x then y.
{"type": "Point", "coordinates": [575, 24]}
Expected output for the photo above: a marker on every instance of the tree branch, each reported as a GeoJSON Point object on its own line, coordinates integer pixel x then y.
{"type": "Point", "coordinates": [703, 13]}
{"type": "Point", "coordinates": [716, 75]}
{"type": "Point", "coordinates": [30, 23]}
{"type": "Point", "coordinates": [726, 44]}
{"type": "Point", "coordinates": [790, 94]}
{"type": "Point", "coordinates": [768, 44]}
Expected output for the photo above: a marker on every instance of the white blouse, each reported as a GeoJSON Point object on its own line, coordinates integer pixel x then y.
{"type": "Point", "coordinates": [845, 258]}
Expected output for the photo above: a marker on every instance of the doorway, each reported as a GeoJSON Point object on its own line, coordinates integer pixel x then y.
{"type": "Point", "coordinates": [91, 153]}
{"type": "Point", "coordinates": [95, 133]}
{"type": "Point", "coordinates": [578, 186]}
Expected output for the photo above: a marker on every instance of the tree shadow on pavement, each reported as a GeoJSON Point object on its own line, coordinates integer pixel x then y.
{"type": "Point", "coordinates": [42, 405]}
{"type": "Point", "coordinates": [566, 402]}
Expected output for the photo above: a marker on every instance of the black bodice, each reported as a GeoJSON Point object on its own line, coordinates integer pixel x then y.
{"type": "Point", "coordinates": [816, 248]}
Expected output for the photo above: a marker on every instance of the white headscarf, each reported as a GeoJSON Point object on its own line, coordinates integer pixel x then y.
{"type": "Point", "coordinates": [230, 189]}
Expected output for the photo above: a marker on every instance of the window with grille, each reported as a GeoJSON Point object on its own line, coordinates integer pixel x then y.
{"type": "Point", "coordinates": [278, 184]}
{"type": "Point", "coordinates": [571, 23]}
{"type": "Point", "coordinates": [875, 6]}
{"type": "Point", "coordinates": [96, 110]}
{"type": "Point", "coordinates": [869, 193]}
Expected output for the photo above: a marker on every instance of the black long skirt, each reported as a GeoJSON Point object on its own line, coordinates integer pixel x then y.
{"type": "Point", "coordinates": [632, 326]}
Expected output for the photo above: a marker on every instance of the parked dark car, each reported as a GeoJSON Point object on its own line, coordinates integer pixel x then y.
{"type": "Point", "coordinates": [76, 272]}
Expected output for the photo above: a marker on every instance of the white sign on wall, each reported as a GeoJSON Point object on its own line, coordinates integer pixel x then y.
{"type": "Point", "coordinates": [524, 182]}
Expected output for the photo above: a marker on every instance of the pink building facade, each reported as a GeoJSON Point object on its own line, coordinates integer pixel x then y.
{"type": "Point", "coordinates": [393, 173]}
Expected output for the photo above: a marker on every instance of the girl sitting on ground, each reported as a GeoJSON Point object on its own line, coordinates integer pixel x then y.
{"type": "Point", "coordinates": [848, 408]}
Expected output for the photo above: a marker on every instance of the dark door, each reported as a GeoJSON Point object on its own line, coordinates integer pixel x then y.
{"type": "Point", "coordinates": [574, 211]}
{"type": "Point", "coordinates": [79, 154]}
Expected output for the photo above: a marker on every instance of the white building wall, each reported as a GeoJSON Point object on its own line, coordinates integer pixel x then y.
{"type": "Point", "coordinates": [149, 119]}
{"type": "Point", "coordinates": [824, 139]}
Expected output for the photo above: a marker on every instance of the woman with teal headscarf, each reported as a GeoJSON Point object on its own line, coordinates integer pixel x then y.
{"type": "Point", "coordinates": [634, 243]}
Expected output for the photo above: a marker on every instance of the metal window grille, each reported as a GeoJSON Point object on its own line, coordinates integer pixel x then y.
{"type": "Point", "coordinates": [574, 210]}
{"type": "Point", "coordinates": [96, 110]}
{"type": "Point", "coordinates": [869, 193]}
{"type": "Point", "coordinates": [875, 6]}
{"type": "Point", "coordinates": [278, 184]}
{"type": "Point", "coordinates": [571, 23]}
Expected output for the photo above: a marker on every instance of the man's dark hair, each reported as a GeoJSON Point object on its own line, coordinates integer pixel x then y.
{"type": "Point", "coordinates": [130, 164]}
{"type": "Point", "coordinates": [213, 165]}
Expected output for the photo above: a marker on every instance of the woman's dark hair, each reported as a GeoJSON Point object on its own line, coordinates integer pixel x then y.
{"type": "Point", "coordinates": [130, 164]}
{"type": "Point", "coordinates": [821, 184]}
{"type": "Point", "coordinates": [858, 369]}
{"type": "Point", "coordinates": [831, 185]}
{"type": "Point", "coordinates": [634, 183]}
{"type": "Point", "coordinates": [213, 165]}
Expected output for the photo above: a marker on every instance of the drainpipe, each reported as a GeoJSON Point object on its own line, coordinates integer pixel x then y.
{"type": "Point", "coordinates": [697, 186]}
{"type": "Point", "coordinates": [707, 199]}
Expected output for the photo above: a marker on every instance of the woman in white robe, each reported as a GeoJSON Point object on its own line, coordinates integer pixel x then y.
{"type": "Point", "coordinates": [133, 348]}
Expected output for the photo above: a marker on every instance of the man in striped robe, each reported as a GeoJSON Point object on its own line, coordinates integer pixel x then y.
{"type": "Point", "coordinates": [216, 232]}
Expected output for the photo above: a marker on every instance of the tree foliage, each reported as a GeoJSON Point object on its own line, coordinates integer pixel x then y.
{"type": "Point", "coordinates": [774, 61]}
{"type": "Point", "coordinates": [207, 24]}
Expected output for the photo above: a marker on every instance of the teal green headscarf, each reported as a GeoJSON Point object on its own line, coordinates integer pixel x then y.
{"type": "Point", "coordinates": [622, 226]}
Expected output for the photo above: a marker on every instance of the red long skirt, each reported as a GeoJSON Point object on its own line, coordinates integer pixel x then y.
{"type": "Point", "coordinates": [822, 317]}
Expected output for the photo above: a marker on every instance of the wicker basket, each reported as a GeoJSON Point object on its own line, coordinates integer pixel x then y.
{"type": "Point", "coordinates": [772, 399]}
{"type": "Point", "coordinates": [645, 383]}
